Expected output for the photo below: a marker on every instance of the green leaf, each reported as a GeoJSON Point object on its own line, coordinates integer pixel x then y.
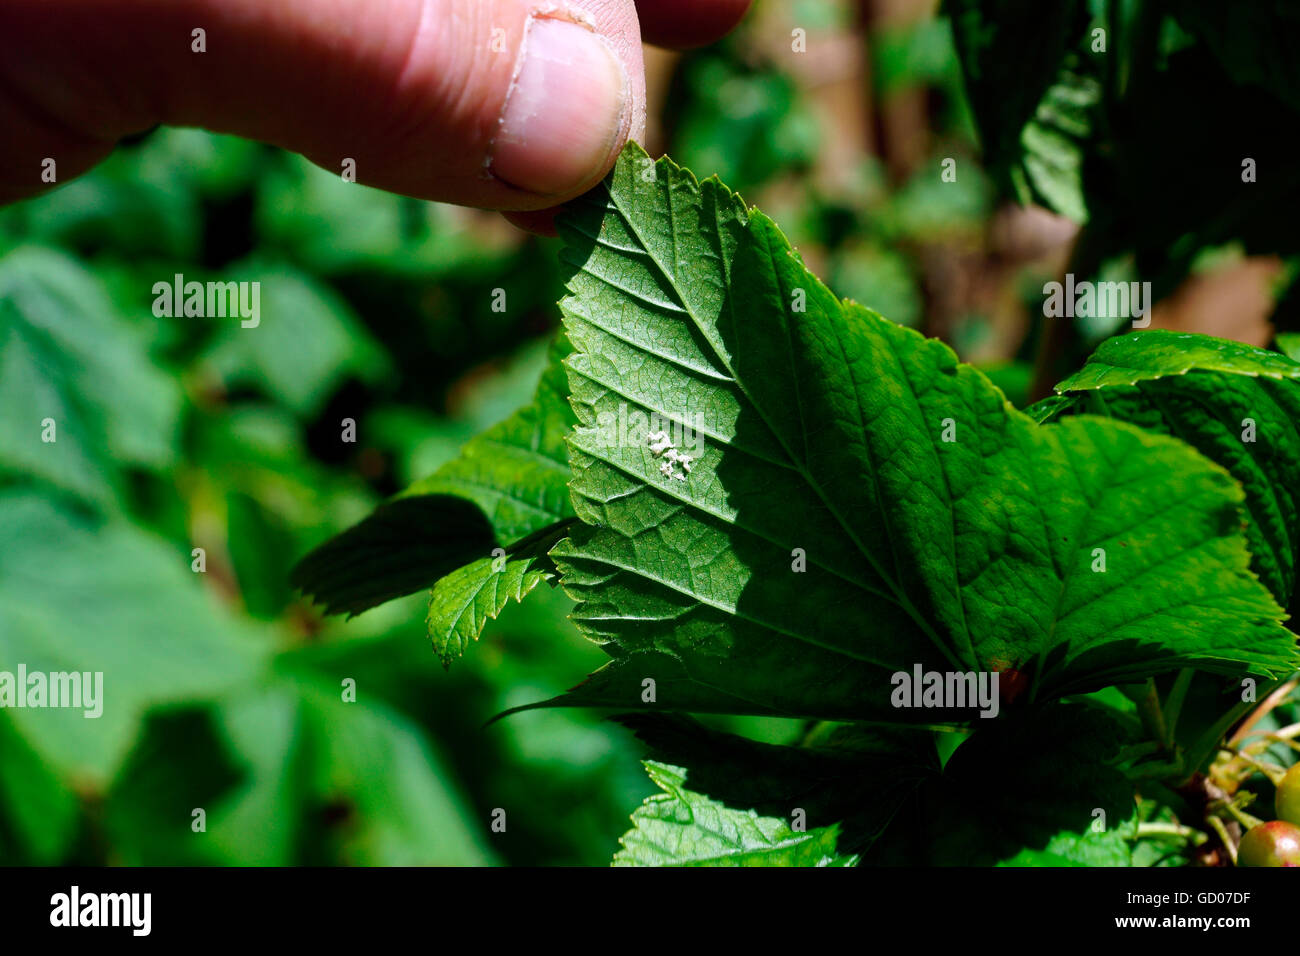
{"type": "Point", "coordinates": [1289, 342]}
{"type": "Point", "coordinates": [403, 546]}
{"type": "Point", "coordinates": [136, 203]}
{"type": "Point", "coordinates": [1030, 94]}
{"type": "Point", "coordinates": [1026, 778]}
{"type": "Point", "coordinates": [682, 828]}
{"type": "Point", "coordinates": [1053, 144]}
{"type": "Point", "coordinates": [1016, 784]}
{"type": "Point", "coordinates": [328, 782]}
{"type": "Point", "coordinates": [67, 355]}
{"type": "Point", "coordinates": [42, 807]}
{"type": "Point", "coordinates": [517, 472]}
{"type": "Point", "coordinates": [462, 603]}
{"type": "Point", "coordinates": [331, 226]}
{"type": "Point", "coordinates": [1204, 391]}
{"type": "Point", "coordinates": [259, 823]}
{"type": "Point", "coordinates": [112, 600]}
{"type": "Point", "coordinates": [307, 340]}
{"type": "Point", "coordinates": [1107, 848]}
{"type": "Point", "coordinates": [506, 484]}
{"type": "Point", "coordinates": [177, 764]}
{"type": "Point", "coordinates": [1158, 353]}
{"type": "Point", "coordinates": [850, 777]}
{"type": "Point", "coordinates": [378, 765]}
{"type": "Point", "coordinates": [1010, 57]}
{"type": "Point", "coordinates": [827, 535]}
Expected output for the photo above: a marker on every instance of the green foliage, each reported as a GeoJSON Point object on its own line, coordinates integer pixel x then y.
{"type": "Point", "coordinates": [1016, 786]}
{"type": "Point", "coordinates": [221, 689]}
{"type": "Point", "coordinates": [1115, 115]}
{"type": "Point", "coordinates": [1030, 104]}
{"type": "Point", "coordinates": [461, 603]}
{"type": "Point", "coordinates": [859, 503]}
{"type": "Point", "coordinates": [1289, 343]}
{"type": "Point", "coordinates": [506, 485]}
{"type": "Point", "coordinates": [746, 122]}
{"type": "Point", "coordinates": [682, 828]}
{"type": "Point", "coordinates": [1106, 848]}
{"type": "Point", "coordinates": [823, 430]}
{"type": "Point", "coordinates": [69, 356]}
{"type": "Point", "coordinates": [312, 342]}
{"type": "Point", "coordinates": [837, 777]}
{"type": "Point", "coordinates": [76, 596]}
{"type": "Point", "coordinates": [517, 471]}
{"type": "Point", "coordinates": [1235, 404]}
{"type": "Point", "coordinates": [402, 547]}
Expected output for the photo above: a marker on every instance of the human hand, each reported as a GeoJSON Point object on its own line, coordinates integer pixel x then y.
{"type": "Point", "coordinates": [503, 104]}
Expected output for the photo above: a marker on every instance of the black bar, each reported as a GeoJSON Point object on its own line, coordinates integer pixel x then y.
{"type": "Point", "coordinates": [441, 907]}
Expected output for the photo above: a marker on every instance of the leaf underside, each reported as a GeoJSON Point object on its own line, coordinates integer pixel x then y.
{"type": "Point", "coordinates": [859, 502]}
{"type": "Point", "coordinates": [461, 604]}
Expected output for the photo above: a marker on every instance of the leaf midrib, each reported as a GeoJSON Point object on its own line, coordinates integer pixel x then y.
{"type": "Point", "coordinates": [899, 598]}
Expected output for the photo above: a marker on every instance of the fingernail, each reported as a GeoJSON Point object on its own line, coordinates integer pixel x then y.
{"type": "Point", "coordinates": [564, 114]}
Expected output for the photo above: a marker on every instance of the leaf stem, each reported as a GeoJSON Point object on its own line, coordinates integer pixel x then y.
{"type": "Point", "coordinates": [1153, 718]}
{"type": "Point", "coordinates": [1174, 702]}
{"type": "Point", "coordinates": [1285, 735]}
{"type": "Point", "coordinates": [1217, 825]}
{"type": "Point", "coordinates": [1272, 771]}
{"type": "Point", "coordinates": [1204, 746]}
{"type": "Point", "coordinates": [1247, 820]}
{"type": "Point", "coordinates": [1275, 697]}
{"type": "Point", "coordinates": [1197, 837]}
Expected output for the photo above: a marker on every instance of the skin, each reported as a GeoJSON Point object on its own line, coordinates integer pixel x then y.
{"type": "Point", "coordinates": [410, 89]}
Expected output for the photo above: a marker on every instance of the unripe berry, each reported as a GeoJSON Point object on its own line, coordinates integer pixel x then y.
{"type": "Point", "coordinates": [1276, 843]}
{"type": "Point", "coordinates": [1288, 796]}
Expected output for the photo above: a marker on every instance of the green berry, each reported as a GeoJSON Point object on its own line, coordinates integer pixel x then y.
{"type": "Point", "coordinates": [1288, 796]}
{"type": "Point", "coordinates": [1270, 844]}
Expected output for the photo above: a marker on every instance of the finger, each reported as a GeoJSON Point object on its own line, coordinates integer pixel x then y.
{"type": "Point", "coordinates": [682, 24]}
{"type": "Point", "coordinates": [503, 104]}
{"type": "Point", "coordinates": [540, 222]}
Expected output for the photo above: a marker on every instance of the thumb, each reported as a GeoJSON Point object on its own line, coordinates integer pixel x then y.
{"type": "Point", "coordinates": [503, 104]}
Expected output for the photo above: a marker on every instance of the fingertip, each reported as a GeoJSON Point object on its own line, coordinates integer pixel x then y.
{"type": "Point", "coordinates": [683, 24]}
{"type": "Point", "coordinates": [567, 113]}
{"type": "Point", "coordinates": [539, 222]}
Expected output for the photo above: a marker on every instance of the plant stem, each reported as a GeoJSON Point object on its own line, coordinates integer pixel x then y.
{"type": "Point", "coordinates": [1277, 736]}
{"type": "Point", "coordinates": [1217, 825]}
{"type": "Point", "coordinates": [1174, 702]}
{"type": "Point", "coordinates": [1204, 747]}
{"type": "Point", "coordinates": [1247, 820]}
{"type": "Point", "coordinates": [1096, 403]}
{"type": "Point", "coordinates": [1172, 829]}
{"type": "Point", "coordinates": [1276, 697]}
{"type": "Point", "coordinates": [1153, 718]}
{"type": "Point", "coordinates": [1272, 771]}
